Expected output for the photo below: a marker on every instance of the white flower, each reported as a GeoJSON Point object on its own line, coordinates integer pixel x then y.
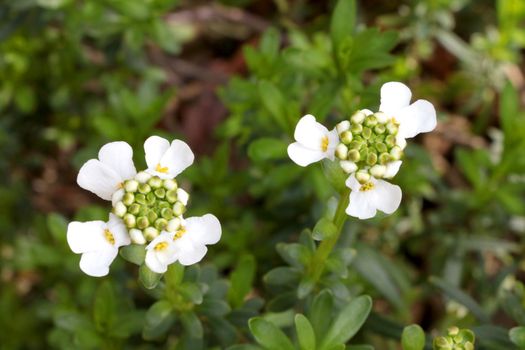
{"type": "Point", "coordinates": [187, 245]}
{"type": "Point", "coordinates": [373, 195]}
{"type": "Point", "coordinates": [164, 160]}
{"type": "Point", "coordinates": [98, 242]}
{"type": "Point", "coordinates": [414, 118]}
{"type": "Point", "coordinates": [314, 142]}
{"type": "Point", "coordinates": [104, 176]}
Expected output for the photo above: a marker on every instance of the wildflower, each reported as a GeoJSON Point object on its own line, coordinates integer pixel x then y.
{"type": "Point", "coordinates": [104, 176]}
{"type": "Point", "coordinates": [164, 160]}
{"type": "Point", "coordinates": [370, 194]}
{"type": "Point", "coordinates": [414, 118]}
{"type": "Point", "coordinates": [187, 245]}
{"type": "Point", "coordinates": [460, 339]}
{"type": "Point", "coordinates": [98, 242]}
{"type": "Point", "coordinates": [314, 142]}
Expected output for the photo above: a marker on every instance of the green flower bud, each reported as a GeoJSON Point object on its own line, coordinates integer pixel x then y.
{"type": "Point", "coordinates": [144, 188]}
{"type": "Point", "coordinates": [381, 117]}
{"type": "Point", "coordinates": [342, 126]}
{"type": "Point", "coordinates": [134, 209]}
{"type": "Point", "coordinates": [396, 152]}
{"type": "Point", "coordinates": [341, 151]}
{"type": "Point", "coordinates": [354, 156]}
{"type": "Point", "coordinates": [348, 166]}
{"type": "Point", "coordinates": [178, 209]}
{"type": "Point", "coordinates": [131, 185]}
{"type": "Point", "coordinates": [381, 147]}
{"type": "Point", "coordinates": [384, 158]}
{"type": "Point", "coordinates": [160, 192]}
{"type": "Point", "coordinates": [362, 176]}
{"type": "Point", "coordinates": [162, 205]}
{"type": "Point", "coordinates": [150, 233]}
{"type": "Point", "coordinates": [152, 216]}
{"type": "Point", "coordinates": [136, 236]}
{"type": "Point", "coordinates": [155, 182]}
{"type": "Point", "coordinates": [453, 330]}
{"type": "Point", "coordinates": [171, 196]}
{"type": "Point", "coordinates": [355, 145]}
{"type": "Point", "coordinates": [129, 220]}
{"type": "Point", "coordinates": [356, 128]}
{"type": "Point", "coordinates": [151, 198]}
{"type": "Point", "coordinates": [119, 209]}
{"type": "Point", "coordinates": [346, 137]}
{"type": "Point", "coordinates": [370, 121]}
{"type": "Point", "coordinates": [144, 210]}
{"type": "Point", "coordinates": [170, 184]}
{"type": "Point", "coordinates": [166, 213]}
{"type": "Point", "coordinates": [363, 152]}
{"type": "Point", "coordinates": [392, 128]}
{"type": "Point", "coordinates": [358, 117]}
{"type": "Point", "coordinates": [142, 222]}
{"type": "Point", "coordinates": [128, 199]}
{"type": "Point", "coordinates": [140, 198]}
{"type": "Point", "coordinates": [371, 158]}
{"type": "Point", "coordinates": [390, 141]}
{"type": "Point", "coordinates": [161, 224]}
{"type": "Point", "coordinates": [379, 129]}
{"type": "Point", "coordinates": [366, 133]}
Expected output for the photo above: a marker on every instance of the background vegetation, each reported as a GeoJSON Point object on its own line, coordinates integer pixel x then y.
{"type": "Point", "coordinates": [232, 77]}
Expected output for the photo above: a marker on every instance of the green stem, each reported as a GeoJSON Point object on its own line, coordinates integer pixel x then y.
{"type": "Point", "coordinates": [325, 248]}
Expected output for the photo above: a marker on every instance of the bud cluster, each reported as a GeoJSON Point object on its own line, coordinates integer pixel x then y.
{"type": "Point", "coordinates": [456, 339]}
{"type": "Point", "coordinates": [150, 205]}
{"type": "Point", "coordinates": [367, 144]}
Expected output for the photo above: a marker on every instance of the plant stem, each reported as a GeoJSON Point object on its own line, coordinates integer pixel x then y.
{"type": "Point", "coordinates": [327, 245]}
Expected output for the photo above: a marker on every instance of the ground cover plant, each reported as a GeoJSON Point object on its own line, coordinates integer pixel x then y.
{"type": "Point", "coordinates": [247, 174]}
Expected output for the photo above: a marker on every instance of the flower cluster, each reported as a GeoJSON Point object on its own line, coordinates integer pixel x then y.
{"type": "Point", "coordinates": [148, 209]}
{"type": "Point", "coordinates": [456, 339]}
{"type": "Point", "coordinates": [368, 146]}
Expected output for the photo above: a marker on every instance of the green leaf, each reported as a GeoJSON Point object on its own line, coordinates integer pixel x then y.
{"type": "Point", "coordinates": [282, 275]}
{"type": "Point", "coordinates": [348, 322]}
{"type": "Point", "coordinates": [305, 332]}
{"type": "Point", "coordinates": [264, 149]}
{"type": "Point", "coordinates": [57, 225]}
{"type": "Point", "coordinates": [268, 335]}
{"type": "Point", "coordinates": [159, 318]}
{"type": "Point", "coordinates": [104, 308]}
{"type": "Point", "coordinates": [360, 347]}
{"type": "Point", "coordinates": [133, 253]}
{"type": "Point", "coordinates": [413, 338]}
{"type": "Point", "coordinates": [517, 336]}
{"type": "Point", "coordinates": [321, 311]}
{"type": "Point", "coordinates": [148, 278]}
{"type": "Point", "coordinates": [274, 101]}
{"type": "Point", "coordinates": [192, 325]}
{"type": "Point", "coordinates": [343, 21]}
{"type": "Point", "coordinates": [241, 280]}
{"type": "Point", "coordinates": [323, 229]}
{"type": "Point", "coordinates": [334, 174]}
{"type": "Point", "coordinates": [269, 44]}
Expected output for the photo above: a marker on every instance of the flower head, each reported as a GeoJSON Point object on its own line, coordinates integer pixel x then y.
{"type": "Point", "coordinates": [371, 194]}
{"type": "Point", "coordinates": [314, 142]}
{"type": "Point", "coordinates": [104, 176]}
{"type": "Point", "coordinates": [187, 245]}
{"type": "Point", "coordinates": [167, 160]}
{"type": "Point", "coordinates": [98, 242]}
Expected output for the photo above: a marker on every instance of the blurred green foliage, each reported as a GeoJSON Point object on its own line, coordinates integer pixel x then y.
{"type": "Point", "coordinates": [77, 74]}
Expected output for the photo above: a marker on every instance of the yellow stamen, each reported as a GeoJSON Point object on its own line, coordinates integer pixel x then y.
{"type": "Point", "coordinates": [179, 233]}
{"type": "Point", "coordinates": [324, 143]}
{"type": "Point", "coordinates": [161, 169]}
{"type": "Point", "coordinates": [109, 236]}
{"type": "Point", "coordinates": [394, 120]}
{"type": "Point", "coordinates": [160, 246]}
{"type": "Point", "coordinates": [366, 187]}
{"type": "Point", "coordinates": [120, 185]}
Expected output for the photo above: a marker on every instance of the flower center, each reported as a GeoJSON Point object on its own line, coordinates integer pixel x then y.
{"type": "Point", "coordinates": [324, 143]}
{"type": "Point", "coordinates": [161, 169]}
{"type": "Point", "coordinates": [109, 237]}
{"type": "Point", "coordinates": [161, 246]}
{"type": "Point", "coordinates": [179, 233]}
{"type": "Point", "coordinates": [366, 187]}
{"type": "Point", "coordinates": [151, 206]}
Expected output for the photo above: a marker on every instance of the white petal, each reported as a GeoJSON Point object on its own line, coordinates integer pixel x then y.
{"type": "Point", "coordinates": [86, 236]}
{"type": "Point", "coordinates": [97, 263]}
{"type": "Point", "coordinates": [189, 253]}
{"type": "Point", "coordinates": [177, 158]}
{"type": "Point", "coordinates": [119, 156]}
{"type": "Point", "coordinates": [367, 112]}
{"type": "Point", "coordinates": [204, 229]}
{"type": "Point", "coordinates": [392, 168]}
{"type": "Point", "coordinates": [360, 205]}
{"type": "Point", "coordinates": [386, 197]}
{"type": "Point", "coordinates": [118, 230]}
{"type": "Point", "coordinates": [153, 263]}
{"type": "Point", "coordinates": [419, 117]}
{"type": "Point", "coordinates": [352, 183]}
{"type": "Point", "coordinates": [304, 156]}
{"type": "Point", "coordinates": [310, 133]}
{"type": "Point", "coordinates": [143, 177]}
{"type": "Point", "coordinates": [182, 196]}
{"type": "Point", "coordinates": [98, 178]}
{"type": "Point", "coordinates": [117, 196]}
{"type": "Point", "coordinates": [333, 141]}
{"type": "Point", "coordinates": [155, 147]}
{"type": "Point", "coordinates": [394, 96]}
{"type": "Point", "coordinates": [401, 142]}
